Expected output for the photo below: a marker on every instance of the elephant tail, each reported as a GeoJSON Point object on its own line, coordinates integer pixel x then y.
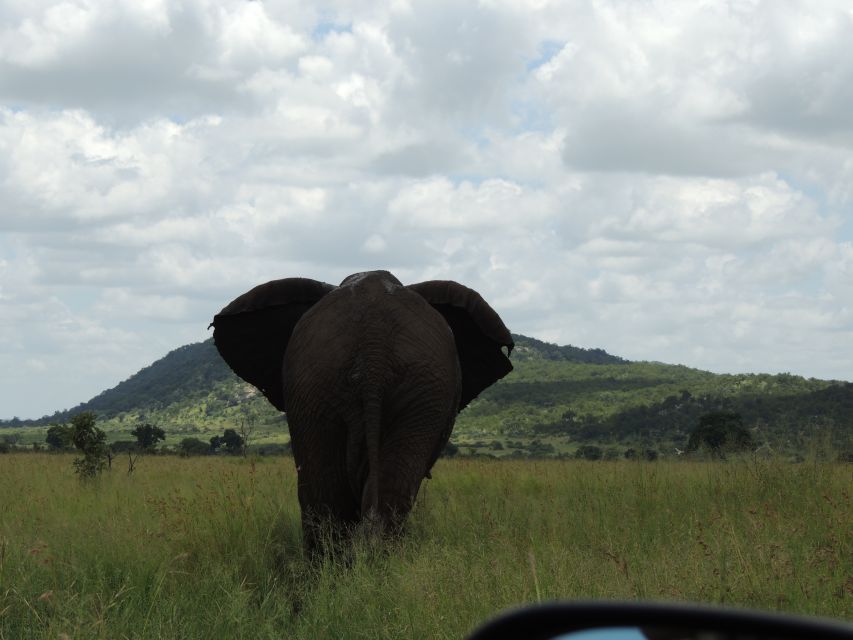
{"type": "Point", "coordinates": [372, 399]}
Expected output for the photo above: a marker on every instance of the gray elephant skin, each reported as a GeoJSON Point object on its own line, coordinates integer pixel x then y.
{"type": "Point", "coordinates": [371, 375]}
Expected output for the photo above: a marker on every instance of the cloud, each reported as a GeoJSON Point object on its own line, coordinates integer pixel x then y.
{"type": "Point", "coordinates": [700, 89]}
{"type": "Point", "coordinates": [439, 204]}
{"type": "Point", "coordinates": [724, 213]}
{"type": "Point", "coordinates": [64, 170]}
{"type": "Point", "coordinates": [459, 60]}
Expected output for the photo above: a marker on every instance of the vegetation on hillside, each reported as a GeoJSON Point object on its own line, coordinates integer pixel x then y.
{"type": "Point", "coordinates": [184, 376]}
{"type": "Point", "coordinates": [532, 349]}
{"type": "Point", "coordinates": [557, 399]}
{"type": "Point", "coordinates": [651, 405]}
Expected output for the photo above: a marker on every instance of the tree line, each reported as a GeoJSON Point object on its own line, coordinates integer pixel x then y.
{"type": "Point", "coordinates": [95, 454]}
{"type": "Point", "coordinates": [783, 419]}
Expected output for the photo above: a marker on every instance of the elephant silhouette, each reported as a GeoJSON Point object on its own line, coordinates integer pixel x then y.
{"type": "Point", "coordinates": [371, 375]}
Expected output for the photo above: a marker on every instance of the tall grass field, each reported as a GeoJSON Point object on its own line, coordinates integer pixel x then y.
{"type": "Point", "coordinates": [210, 547]}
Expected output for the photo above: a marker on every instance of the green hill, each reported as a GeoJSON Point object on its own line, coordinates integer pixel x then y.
{"type": "Point", "coordinates": [557, 399]}
{"type": "Point", "coordinates": [533, 349]}
{"type": "Point", "coordinates": [184, 376]}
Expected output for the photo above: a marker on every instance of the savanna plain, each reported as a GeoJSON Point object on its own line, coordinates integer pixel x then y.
{"type": "Point", "coordinates": [210, 546]}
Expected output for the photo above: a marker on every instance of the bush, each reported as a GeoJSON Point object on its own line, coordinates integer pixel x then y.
{"type": "Point", "coordinates": [232, 441]}
{"type": "Point", "coordinates": [58, 437]}
{"type": "Point", "coordinates": [589, 452]}
{"type": "Point", "coordinates": [91, 442]}
{"type": "Point", "coordinates": [215, 443]}
{"type": "Point", "coordinates": [147, 436]}
{"type": "Point", "coordinates": [539, 449]}
{"type": "Point", "coordinates": [720, 432]}
{"type": "Point", "coordinates": [193, 447]}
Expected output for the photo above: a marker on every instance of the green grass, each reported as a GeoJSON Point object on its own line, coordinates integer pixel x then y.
{"type": "Point", "coordinates": [210, 547]}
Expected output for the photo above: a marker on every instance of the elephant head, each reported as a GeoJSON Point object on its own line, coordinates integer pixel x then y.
{"type": "Point", "coordinates": [371, 375]}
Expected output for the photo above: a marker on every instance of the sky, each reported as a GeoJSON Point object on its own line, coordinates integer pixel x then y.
{"type": "Point", "coordinates": [667, 180]}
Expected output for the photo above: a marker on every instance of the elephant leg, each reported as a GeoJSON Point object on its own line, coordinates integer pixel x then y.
{"type": "Point", "coordinates": [329, 509]}
{"type": "Point", "coordinates": [407, 453]}
{"type": "Point", "coordinates": [327, 520]}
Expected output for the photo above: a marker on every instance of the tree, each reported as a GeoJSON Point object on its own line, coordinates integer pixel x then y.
{"type": "Point", "coordinates": [215, 443]}
{"type": "Point", "coordinates": [232, 441]}
{"type": "Point", "coordinates": [58, 437]}
{"type": "Point", "coordinates": [720, 432]}
{"type": "Point", "coordinates": [193, 447]}
{"type": "Point", "coordinates": [91, 442]}
{"type": "Point", "coordinates": [147, 436]}
{"type": "Point", "coordinates": [589, 452]}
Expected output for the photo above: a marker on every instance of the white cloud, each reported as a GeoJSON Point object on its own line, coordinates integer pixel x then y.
{"type": "Point", "coordinates": [249, 38]}
{"type": "Point", "coordinates": [439, 204]}
{"type": "Point", "coordinates": [717, 212]}
{"type": "Point", "coordinates": [699, 88]}
{"type": "Point", "coordinates": [64, 169]}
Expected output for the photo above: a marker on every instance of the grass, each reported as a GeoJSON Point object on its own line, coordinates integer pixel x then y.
{"type": "Point", "coordinates": [210, 547]}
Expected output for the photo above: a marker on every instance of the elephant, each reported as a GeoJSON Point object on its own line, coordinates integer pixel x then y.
{"type": "Point", "coordinates": [371, 375]}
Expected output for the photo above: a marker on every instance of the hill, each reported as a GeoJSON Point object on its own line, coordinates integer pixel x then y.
{"type": "Point", "coordinates": [196, 374]}
{"type": "Point", "coordinates": [184, 375]}
{"type": "Point", "coordinates": [533, 349]}
{"type": "Point", "coordinates": [557, 399]}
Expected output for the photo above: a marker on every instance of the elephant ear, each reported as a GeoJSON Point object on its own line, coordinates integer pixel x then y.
{"type": "Point", "coordinates": [478, 330]}
{"type": "Point", "coordinates": [252, 332]}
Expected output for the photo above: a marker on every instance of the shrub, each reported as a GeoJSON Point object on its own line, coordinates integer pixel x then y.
{"type": "Point", "coordinates": [193, 447]}
{"type": "Point", "coordinates": [147, 436]}
{"type": "Point", "coordinates": [720, 432]}
{"type": "Point", "coordinates": [91, 442]}
{"type": "Point", "coordinates": [232, 441]}
{"type": "Point", "coordinates": [589, 452]}
{"type": "Point", "coordinates": [58, 437]}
